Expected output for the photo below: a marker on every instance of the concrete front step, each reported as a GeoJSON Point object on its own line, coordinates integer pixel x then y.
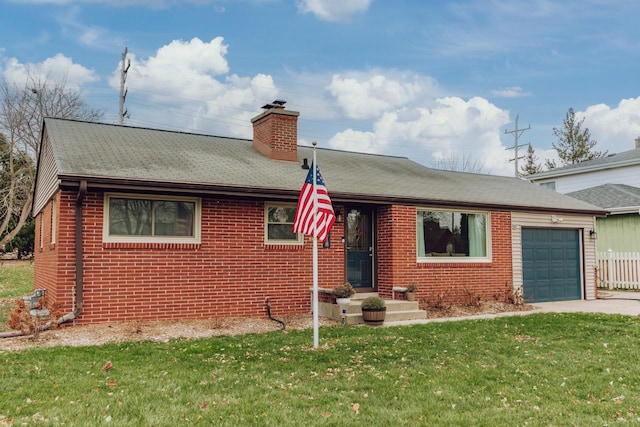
{"type": "Point", "coordinates": [397, 310]}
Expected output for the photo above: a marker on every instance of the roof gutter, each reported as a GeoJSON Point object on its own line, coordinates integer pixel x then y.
{"type": "Point", "coordinates": [559, 172]}
{"type": "Point", "coordinates": [129, 185]}
{"type": "Point", "coordinates": [625, 210]}
{"type": "Point", "coordinates": [79, 291]}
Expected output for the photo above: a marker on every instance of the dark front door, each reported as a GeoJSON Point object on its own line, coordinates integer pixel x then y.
{"type": "Point", "coordinates": [359, 248]}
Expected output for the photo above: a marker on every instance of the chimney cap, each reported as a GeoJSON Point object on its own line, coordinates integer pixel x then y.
{"type": "Point", "coordinates": [277, 103]}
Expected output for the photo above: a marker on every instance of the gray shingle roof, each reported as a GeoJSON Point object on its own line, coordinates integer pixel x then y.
{"type": "Point", "coordinates": [610, 196]}
{"type": "Point", "coordinates": [118, 153]}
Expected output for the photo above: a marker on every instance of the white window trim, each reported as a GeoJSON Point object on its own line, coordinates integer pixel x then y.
{"type": "Point", "coordinates": [196, 238]}
{"type": "Point", "coordinates": [41, 237]}
{"type": "Point", "coordinates": [458, 260]}
{"type": "Point", "coordinates": [267, 241]}
{"type": "Point", "coordinates": [53, 221]}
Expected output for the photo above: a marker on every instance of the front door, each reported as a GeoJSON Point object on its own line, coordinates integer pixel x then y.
{"type": "Point", "coordinates": [359, 248]}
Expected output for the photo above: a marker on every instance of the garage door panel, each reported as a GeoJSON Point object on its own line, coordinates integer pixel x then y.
{"type": "Point", "coordinates": [551, 264]}
{"type": "Point", "coordinates": [542, 254]}
{"type": "Point", "coordinates": [570, 255]}
{"type": "Point", "coordinates": [542, 275]}
{"type": "Point", "coordinates": [556, 236]}
{"type": "Point", "coordinates": [556, 254]}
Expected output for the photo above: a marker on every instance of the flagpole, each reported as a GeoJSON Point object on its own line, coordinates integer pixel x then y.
{"type": "Point", "coordinates": [316, 335]}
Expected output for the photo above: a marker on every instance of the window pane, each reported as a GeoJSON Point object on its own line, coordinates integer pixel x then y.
{"type": "Point", "coordinates": [173, 218]}
{"type": "Point", "coordinates": [452, 234]}
{"type": "Point", "coordinates": [280, 223]}
{"type": "Point", "coordinates": [281, 214]}
{"type": "Point", "coordinates": [281, 232]}
{"type": "Point", "coordinates": [129, 217]}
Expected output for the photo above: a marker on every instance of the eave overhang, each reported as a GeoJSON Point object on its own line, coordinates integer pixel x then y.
{"type": "Point", "coordinates": [199, 189]}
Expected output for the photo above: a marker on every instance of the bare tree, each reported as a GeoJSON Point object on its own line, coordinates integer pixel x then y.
{"type": "Point", "coordinates": [464, 164]}
{"type": "Point", "coordinates": [22, 110]}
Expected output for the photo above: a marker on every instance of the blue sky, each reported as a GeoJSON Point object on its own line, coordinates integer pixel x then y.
{"type": "Point", "coordinates": [430, 80]}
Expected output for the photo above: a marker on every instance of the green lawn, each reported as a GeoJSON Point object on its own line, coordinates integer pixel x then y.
{"type": "Point", "coordinates": [539, 369]}
{"type": "Point", "coordinates": [16, 280]}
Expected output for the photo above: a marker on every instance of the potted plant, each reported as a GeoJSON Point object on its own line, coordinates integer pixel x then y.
{"type": "Point", "coordinates": [373, 311]}
{"type": "Point", "coordinates": [412, 289]}
{"type": "Point", "coordinates": [343, 293]}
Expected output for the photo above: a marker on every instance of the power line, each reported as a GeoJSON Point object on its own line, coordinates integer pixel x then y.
{"type": "Point", "coordinates": [516, 134]}
{"type": "Point", "coordinates": [123, 92]}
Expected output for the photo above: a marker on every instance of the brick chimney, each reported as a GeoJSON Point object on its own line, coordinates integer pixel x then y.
{"type": "Point", "coordinates": [275, 132]}
{"type": "Point", "coordinates": [638, 143]}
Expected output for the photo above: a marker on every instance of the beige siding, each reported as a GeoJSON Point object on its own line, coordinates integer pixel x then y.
{"type": "Point", "coordinates": [588, 249]}
{"type": "Point", "coordinates": [47, 178]}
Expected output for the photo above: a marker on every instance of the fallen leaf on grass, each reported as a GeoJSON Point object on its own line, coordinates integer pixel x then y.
{"type": "Point", "coordinates": [107, 366]}
{"type": "Point", "coordinates": [355, 408]}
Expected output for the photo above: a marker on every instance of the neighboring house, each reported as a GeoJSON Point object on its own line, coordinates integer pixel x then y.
{"type": "Point", "coordinates": [620, 231]}
{"type": "Point", "coordinates": [622, 168]}
{"type": "Point", "coordinates": [136, 223]}
{"type": "Point", "coordinates": [612, 183]}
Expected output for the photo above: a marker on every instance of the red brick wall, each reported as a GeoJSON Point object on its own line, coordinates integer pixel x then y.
{"type": "Point", "coordinates": [397, 265]}
{"type": "Point", "coordinates": [276, 134]}
{"type": "Point", "coordinates": [230, 273]}
{"type": "Point", "coordinates": [53, 265]}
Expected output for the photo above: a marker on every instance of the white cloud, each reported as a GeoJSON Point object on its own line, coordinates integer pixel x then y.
{"type": "Point", "coordinates": [179, 70]}
{"type": "Point", "coordinates": [615, 129]}
{"type": "Point", "coordinates": [510, 92]}
{"type": "Point", "coordinates": [453, 128]}
{"type": "Point", "coordinates": [367, 95]}
{"type": "Point", "coordinates": [59, 68]}
{"type": "Point", "coordinates": [70, 20]}
{"type": "Point", "coordinates": [333, 10]}
{"type": "Point", "coordinates": [190, 88]}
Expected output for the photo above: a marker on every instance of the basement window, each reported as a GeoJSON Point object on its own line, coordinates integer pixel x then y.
{"type": "Point", "coordinates": [278, 227]}
{"type": "Point", "coordinates": [452, 236]}
{"type": "Point", "coordinates": [151, 219]}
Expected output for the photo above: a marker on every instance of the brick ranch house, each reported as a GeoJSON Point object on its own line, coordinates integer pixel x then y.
{"type": "Point", "coordinates": [135, 223]}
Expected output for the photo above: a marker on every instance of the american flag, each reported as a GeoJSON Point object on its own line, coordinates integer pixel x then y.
{"type": "Point", "coordinates": [325, 218]}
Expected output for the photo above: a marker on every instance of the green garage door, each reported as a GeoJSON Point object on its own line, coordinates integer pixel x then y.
{"type": "Point", "coordinates": [550, 264]}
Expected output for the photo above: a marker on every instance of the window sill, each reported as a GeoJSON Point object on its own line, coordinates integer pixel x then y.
{"type": "Point", "coordinates": [150, 245]}
{"type": "Point", "coordinates": [283, 247]}
{"type": "Point", "coordinates": [453, 260]}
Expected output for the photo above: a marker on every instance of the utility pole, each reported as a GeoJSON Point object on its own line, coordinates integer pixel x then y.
{"type": "Point", "coordinates": [516, 133]}
{"type": "Point", "coordinates": [123, 78]}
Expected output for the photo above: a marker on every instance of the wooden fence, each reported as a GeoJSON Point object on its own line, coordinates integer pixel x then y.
{"type": "Point", "coordinates": [619, 270]}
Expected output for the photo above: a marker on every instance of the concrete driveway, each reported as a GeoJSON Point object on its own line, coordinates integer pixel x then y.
{"type": "Point", "coordinates": [610, 302]}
